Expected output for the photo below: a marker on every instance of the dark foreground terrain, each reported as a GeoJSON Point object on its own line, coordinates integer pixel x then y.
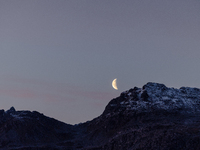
{"type": "Point", "coordinates": [153, 117]}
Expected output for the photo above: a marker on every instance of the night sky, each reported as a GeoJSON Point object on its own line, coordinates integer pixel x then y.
{"type": "Point", "coordinates": [59, 57]}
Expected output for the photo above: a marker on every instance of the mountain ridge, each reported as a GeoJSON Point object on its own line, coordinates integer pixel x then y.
{"type": "Point", "coordinates": [151, 117]}
{"type": "Point", "coordinates": [158, 96]}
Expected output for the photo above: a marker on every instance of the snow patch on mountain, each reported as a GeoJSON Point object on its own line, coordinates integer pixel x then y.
{"type": "Point", "coordinates": [20, 115]}
{"type": "Point", "coordinates": [153, 96]}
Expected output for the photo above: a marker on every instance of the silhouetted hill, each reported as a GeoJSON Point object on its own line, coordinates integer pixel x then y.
{"type": "Point", "coordinates": [153, 117]}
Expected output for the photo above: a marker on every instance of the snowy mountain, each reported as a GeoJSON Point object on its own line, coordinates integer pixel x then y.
{"type": "Point", "coordinates": [154, 96]}
{"type": "Point", "coordinates": [153, 117]}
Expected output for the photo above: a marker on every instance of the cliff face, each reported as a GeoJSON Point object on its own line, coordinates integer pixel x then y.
{"type": "Point", "coordinates": [153, 117]}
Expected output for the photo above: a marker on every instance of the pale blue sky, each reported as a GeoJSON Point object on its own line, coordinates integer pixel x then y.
{"type": "Point", "coordinates": [59, 57]}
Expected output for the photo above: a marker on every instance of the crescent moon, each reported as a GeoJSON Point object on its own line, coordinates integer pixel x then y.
{"type": "Point", "coordinates": [114, 84]}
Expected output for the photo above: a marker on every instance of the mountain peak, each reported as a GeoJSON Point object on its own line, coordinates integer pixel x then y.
{"type": "Point", "coordinates": [11, 110]}
{"type": "Point", "coordinates": [156, 96]}
{"type": "Point", "coordinates": [154, 86]}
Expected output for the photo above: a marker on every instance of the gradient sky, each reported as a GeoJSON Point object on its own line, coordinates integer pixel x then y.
{"type": "Point", "coordinates": [59, 57]}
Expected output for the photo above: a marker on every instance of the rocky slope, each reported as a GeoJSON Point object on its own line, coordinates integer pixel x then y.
{"type": "Point", "coordinates": [153, 117]}
{"type": "Point", "coordinates": [25, 129]}
{"type": "Point", "coordinates": [148, 118]}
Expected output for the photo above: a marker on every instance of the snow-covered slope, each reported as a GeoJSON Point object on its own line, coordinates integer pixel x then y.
{"type": "Point", "coordinates": [155, 96]}
{"type": "Point", "coordinates": [151, 117]}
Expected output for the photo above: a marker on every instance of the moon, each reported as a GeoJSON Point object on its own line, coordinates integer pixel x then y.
{"type": "Point", "coordinates": [114, 84]}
